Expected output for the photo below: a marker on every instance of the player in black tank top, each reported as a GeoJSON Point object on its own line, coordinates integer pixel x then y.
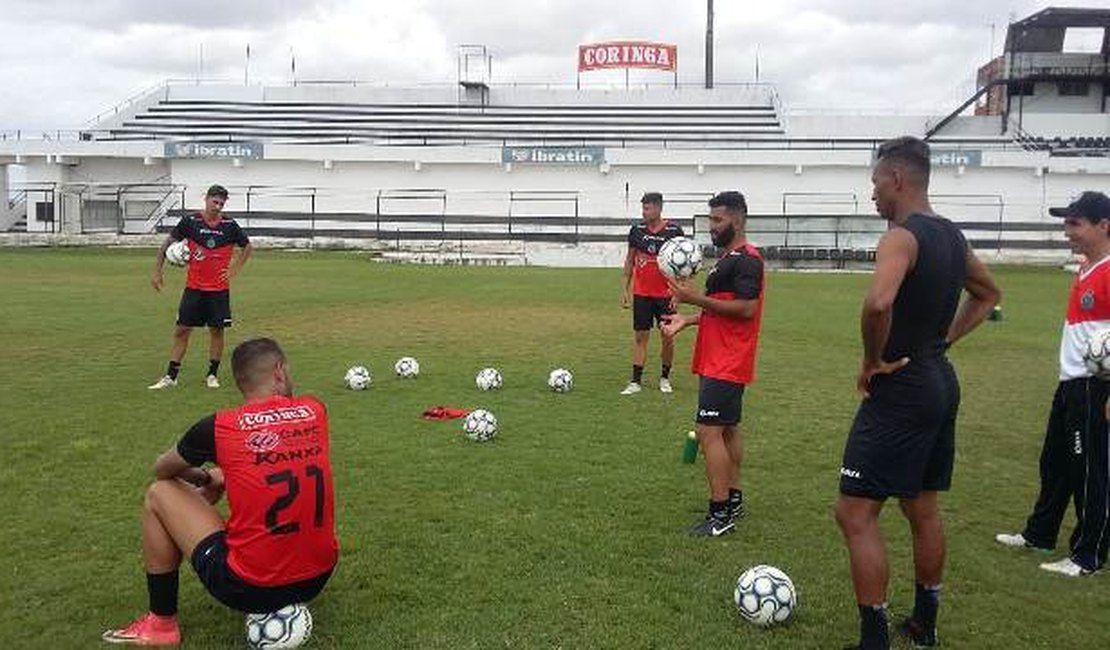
{"type": "Point", "coordinates": [902, 440]}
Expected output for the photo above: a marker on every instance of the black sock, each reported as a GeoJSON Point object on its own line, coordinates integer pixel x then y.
{"type": "Point", "coordinates": [213, 367]}
{"type": "Point", "coordinates": [926, 600]}
{"type": "Point", "coordinates": [735, 498]}
{"type": "Point", "coordinates": [719, 510]}
{"type": "Point", "coordinates": [637, 374]}
{"type": "Point", "coordinates": [173, 369]}
{"type": "Point", "coordinates": [162, 588]}
{"type": "Point", "coordinates": [873, 632]}
{"type": "Point", "coordinates": [665, 373]}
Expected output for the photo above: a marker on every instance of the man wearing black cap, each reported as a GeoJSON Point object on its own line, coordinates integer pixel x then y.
{"type": "Point", "coordinates": [1075, 459]}
{"type": "Point", "coordinates": [206, 300]}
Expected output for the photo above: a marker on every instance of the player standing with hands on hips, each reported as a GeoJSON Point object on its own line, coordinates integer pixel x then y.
{"type": "Point", "coordinates": [902, 442]}
{"type": "Point", "coordinates": [206, 300]}
{"type": "Point", "coordinates": [724, 355]}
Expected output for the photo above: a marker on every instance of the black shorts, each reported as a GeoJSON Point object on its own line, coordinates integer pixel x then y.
{"type": "Point", "coordinates": [720, 402]}
{"type": "Point", "coordinates": [648, 312]}
{"type": "Point", "coordinates": [210, 562]}
{"type": "Point", "coordinates": [903, 440]}
{"type": "Point", "coordinates": [204, 308]}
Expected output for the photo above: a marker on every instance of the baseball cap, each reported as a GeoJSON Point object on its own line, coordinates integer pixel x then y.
{"type": "Point", "coordinates": [217, 190]}
{"type": "Point", "coordinates": [1093, 206]}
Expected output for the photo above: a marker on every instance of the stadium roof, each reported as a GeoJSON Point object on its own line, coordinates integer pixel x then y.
{"type": "Point", "coordinates": [1044, 30]}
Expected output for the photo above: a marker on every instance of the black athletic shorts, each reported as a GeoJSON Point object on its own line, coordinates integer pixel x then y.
{"type": "Point", "coordinates": [210, 562]}
{"type": "Point", "coordinates": [648, 312]}
{"type": "Point", "coordinates": [204, 308]}
{"type": "Point", "coordinates": [720, 402]}
{"type": "Point", "coordinates": [903, 440]}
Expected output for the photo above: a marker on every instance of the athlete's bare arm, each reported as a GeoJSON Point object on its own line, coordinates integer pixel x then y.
{"type": "Point", "coordinates": [982, 295]}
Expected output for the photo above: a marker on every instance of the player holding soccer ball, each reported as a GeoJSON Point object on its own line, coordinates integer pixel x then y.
{"type": "Point", "coordinates": [646, 290]}
{"type": "Point", "coordinates": [206, 300]}
{"type": "Point", "coordinates": [278, 545]}
{"type": "Point", "coordinates": [902, 442]}
{"type": "Point", "coordinates": [724, 355]}
{"type": "Point", "coordinates": [1074, 459]}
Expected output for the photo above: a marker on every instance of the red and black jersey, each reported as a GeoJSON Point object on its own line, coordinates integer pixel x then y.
{"type": "Point", "coordinates": [274, 456]}
{"type": "Point", "coordinates": [1088, 312]}
{"type": "Point", "coordinates": [647, 279]}
{"type": "Point", "coordinates": [210, 247]}
{"type": "Point", "coordinates": [726, 347]}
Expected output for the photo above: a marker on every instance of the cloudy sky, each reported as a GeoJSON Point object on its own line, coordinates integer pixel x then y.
{"type": "Point", "coordinates": [64, 61]}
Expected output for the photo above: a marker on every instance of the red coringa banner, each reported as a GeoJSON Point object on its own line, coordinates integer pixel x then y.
{"type": "Point", "coordinates": [627, 54]}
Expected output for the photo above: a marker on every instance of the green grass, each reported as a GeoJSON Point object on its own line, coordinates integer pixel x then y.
{"type": "Point", "coordinates": [566, 532]}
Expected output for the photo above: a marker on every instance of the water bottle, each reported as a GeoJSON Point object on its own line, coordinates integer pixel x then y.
{"type": "Point", "coordinates": [690, 451]}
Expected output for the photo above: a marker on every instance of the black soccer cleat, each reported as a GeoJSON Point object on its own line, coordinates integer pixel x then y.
{"type": "Point", "coordinates": [712, 527]}
{"type": "Point", "coordinates": [916, 634]}
{"type": "Point", "coordinates": [736, 510]}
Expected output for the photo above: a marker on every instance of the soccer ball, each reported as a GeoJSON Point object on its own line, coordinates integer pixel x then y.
{"type": "Point", "coordinates": [480, 425]}
{"type": "Point", "coordinates": [177, 254]}
{"type": "Point", "coordinates": [357, 378]}
{"type": "Point", "coordinates": [407, 367]}
{"type": "Point", "coordinates": [765, 595]}
{"type": "Point", "coordinates": [488, 379]}
{"type": "Point", "coordinates": [679, 258]}
{"type": "Point", "coordinates": [289, 627]}
{"type": "Point", "coordinates": [1096, 355]}
{"type": "Point", "coordinates": [560, 380]}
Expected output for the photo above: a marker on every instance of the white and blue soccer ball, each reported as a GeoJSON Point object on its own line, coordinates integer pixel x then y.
{"type": "Point", "coordinates": [407, 367]}
{"type": "Point", "coordinates": [289, 627]}
{"type": "Point", "coordinates": [679, 258]}
{"type": "Point", "coordinates": [177, 253]}
{"type": "Point", "coordinates": [764, 595]}
{"type": "Point", "coordinates": [560, 380]}
{"type": "Point", "coordinates": [480, 425]}
{"type": "Point", "coordinates": [357, 378]}
{"type": "Point", "coordinates": [488, 379]}
{"type": "Point", "coordinates": [1096, 355]}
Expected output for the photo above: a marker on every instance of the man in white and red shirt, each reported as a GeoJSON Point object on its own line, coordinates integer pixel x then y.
{"type": "Point", "coordinates": [1075, 458]}
{"type": "Point", "coordinates": [206, 300]}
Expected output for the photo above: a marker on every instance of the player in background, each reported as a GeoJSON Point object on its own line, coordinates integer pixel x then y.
{"type": "Point", "coordinates": [278, 545]}
{"type": "Point", "coordinates": [1075, 458]}
{"type": "Point", "coordinates": [724, 355]}
{"type": "Point", "coordinates": [646, 290]}
{"type": "Point", "coordinates": [206, 300]}
{"type": "Point", "coordinates": [902, 442]}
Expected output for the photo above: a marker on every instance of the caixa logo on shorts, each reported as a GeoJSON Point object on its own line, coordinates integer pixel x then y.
{"type": "Point", "coordinates": [850, 473]}
{"type": "Point", "coordinates": [262, 441]}
{"type": "Point", "coordinates": [270, 417]}
{"type": "Point", "coordinates": [706, 413]}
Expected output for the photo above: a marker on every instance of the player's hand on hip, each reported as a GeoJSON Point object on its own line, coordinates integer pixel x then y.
{"type": "Point", "coordinates": [866, 372]}
{"type": "Point", "coordinates": [156, 280]}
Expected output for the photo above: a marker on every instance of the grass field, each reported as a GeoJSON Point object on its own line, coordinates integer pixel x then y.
{"type": "Point", "coordinates": [566, 532]}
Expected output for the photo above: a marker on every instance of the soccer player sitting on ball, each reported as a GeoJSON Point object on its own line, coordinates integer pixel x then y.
{"type": "Point", "coordinates": [278, 545]}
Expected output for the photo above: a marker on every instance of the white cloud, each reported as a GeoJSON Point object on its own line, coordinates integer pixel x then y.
{"type": "Point", "coordinates": [64, 61]}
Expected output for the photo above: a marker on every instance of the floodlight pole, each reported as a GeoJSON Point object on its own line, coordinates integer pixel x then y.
{"type": "Point", "coordinates": [709, 44]}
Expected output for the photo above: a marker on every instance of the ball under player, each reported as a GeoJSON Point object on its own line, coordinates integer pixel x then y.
{"type": "Point", "coordinates": [1075, 458]}
{"type": "Point", "coordinates": [278, 545]}
{"type": "Point", "coordinates": [206, 300]}
{"type": "Point", "coordinates": [646, 290]}
{"type": "Point", "coordinates": [724, 355]}
{"type": "Point", "coordinates": [902, 442]}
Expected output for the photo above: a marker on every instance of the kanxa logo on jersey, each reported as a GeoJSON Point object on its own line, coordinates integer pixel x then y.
{"type": "Point", "coordinates": [270, 417]}
{"type": "Point", "coordinates": [278, 457]}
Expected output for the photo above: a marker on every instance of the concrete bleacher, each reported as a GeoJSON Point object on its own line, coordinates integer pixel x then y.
{"type": "Point", "coordinates": [313, 116]}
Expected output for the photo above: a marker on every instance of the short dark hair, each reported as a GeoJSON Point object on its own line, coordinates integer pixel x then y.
{"type": "Point", "coordinates": [652, 197]}
{"type": "Point", "coordinates": [252, 359]}
{"type": "Point", "coordinates": [217, 190]}
{"type": "Point", "coordinates": [730, 200]}
{"type": "Point", "coordinates": [908, 151]}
